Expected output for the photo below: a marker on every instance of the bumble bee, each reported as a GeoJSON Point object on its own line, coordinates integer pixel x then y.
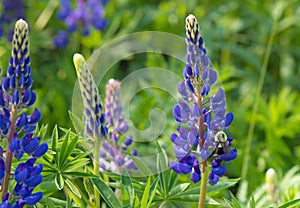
{"type": "Point", "coordinates": [222, 145]}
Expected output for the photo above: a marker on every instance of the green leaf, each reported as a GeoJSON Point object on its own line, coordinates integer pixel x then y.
{"type": "Point", "coordinates": [290, 203]}
{"type": "Point", "coordinates": [107, 194]}
{"type": "Point", "coordinates": [143, 168]}
{"type": "Point", "coordinates": [146, 194]}
{"type": "Point", "coordinates": [56, 201]}
{"type": "Point", "coordinates": [50, 202]}
{"type": "Point", "coordinates": [136, 203]}
{"type": "Point", "coordinates": [181, 191]}
{"type": "Point", "coordinates": [125, 197]}
{"type": "Point", "coordinates": [252, 202]}
{"type": "Point", "coordinates": [172, 179]}
{"type": "Point", "coordinates": [67, 148]}
{"type": "Point", "coordinates": [88, 186]}
{"type": "Point", "coordinates": [48, 187]}
{"type": "Point", "coordinates": [229, 203]}
{"type": "Point", "coordinates": [75, 164]}
{"type": "Point", "coordinates": [77, 122]}
{"type": "Point", "coordinates": [73, 188]}
{"type": "Point", "coordinates": [59, 181]}
{"type": "Point", "coordinates": [69, 202]}
{"type": "Point", "coordinates": [63, 149]}
{"type": "Point", "coordinates": [211, 190]}
{"type": "Point", "coordinates": [181, 188]}
{"type": "Point", "coordinates": [127, 184]}
{"type": "Point", "coordinates": [163, 170]}
{"type": "Point", "coordinates": [54, 143]}
{"type": "Point", "coordinates": [80, 174]}
{"type": "Point", "coordinates": [234, 201]}
{"type": "Point", "coordinates": [41, 131]}
{"type": "Point", "coordinates": [153, 188]}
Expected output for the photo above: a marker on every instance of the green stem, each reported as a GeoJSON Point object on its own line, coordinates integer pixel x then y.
{"type": "Point", "coordinates": [202, 195]}
{"type": "Point", "coordinates": [9, 154]}
{"type": "Point", "coordinates": [46, 15]}
{"type": "Point", "coordinates": [96, 169]}
{"type": "Point", "coordinates": [267, 54]}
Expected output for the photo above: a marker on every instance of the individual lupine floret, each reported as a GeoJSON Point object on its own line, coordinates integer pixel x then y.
{"type": "Point", "coordinates": [202, 113]}
{"type": "Point", "coordinates": [86, 14]}
{"type": "Point", "coordinates": [17, 127]}
{"type": "Point", "coordinates": [112, 156]}
{"type": "Point", "coordinates": [95, 126]}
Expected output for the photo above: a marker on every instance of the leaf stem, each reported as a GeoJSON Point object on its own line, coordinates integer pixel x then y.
{"type": "Point", "coordinates": [96, 169]}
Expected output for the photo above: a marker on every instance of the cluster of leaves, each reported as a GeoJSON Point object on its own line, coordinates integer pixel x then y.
{"type": "Point", "coordinates": [68, 179]}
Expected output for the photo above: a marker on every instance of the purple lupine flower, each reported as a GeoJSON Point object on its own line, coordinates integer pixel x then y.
{"type": "Point", "coordinates": [203, 115]}
{"type": "Point", "coordinates": [12, 10]}
{"type": "Point", "coordinates": [95, 127]}
{"type": "Point", "coordinates": [86, 15]}
{"type": "Point", "coordinates": [112, 155]}
{"type": "Point", "coordinates": [18, 127]}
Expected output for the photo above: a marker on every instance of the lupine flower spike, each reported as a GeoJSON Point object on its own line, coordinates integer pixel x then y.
{"type": "Point", "coordinates": [17, 127]}
{"type": "Point", "coordinates": [95, 127]}
{"type": "Point", "coordinates": [202, 114]}
{"type": "Point", "coordinates": [112, 153]}
{"type": "Point", "coordinates": [87, 14]}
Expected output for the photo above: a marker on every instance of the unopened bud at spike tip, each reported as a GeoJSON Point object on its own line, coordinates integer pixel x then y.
{"type": "Point", "coordinates": [78, 61]}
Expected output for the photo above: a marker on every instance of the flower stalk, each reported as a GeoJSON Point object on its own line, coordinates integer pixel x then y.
{"type": "Point", "coordinates": [201, 203]}
{"type": "Point", "coordinates": [9, 154]}
{"type": "Point", "coordinates": [96, 170]}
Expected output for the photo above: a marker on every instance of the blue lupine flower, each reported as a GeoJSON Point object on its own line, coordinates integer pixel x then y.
{"type": "Point", "coordinates": [86, 14]}
{"type": "Point", "coordinates": [61, 39]}
{"type": "Point", "coordinates": [12, 10]}
{"type": "Point", "coordinates": [95, 127]}
{"type": "Point", "coordinates": [202, 113]}
{"type": "Point", "coordinates": [15, 96]}
{"type": "Point", "coordinates": [112, 155]}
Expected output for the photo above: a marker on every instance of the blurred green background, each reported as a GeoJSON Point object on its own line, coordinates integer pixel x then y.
{"type": "Point", "coordinates": [254, 45]}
